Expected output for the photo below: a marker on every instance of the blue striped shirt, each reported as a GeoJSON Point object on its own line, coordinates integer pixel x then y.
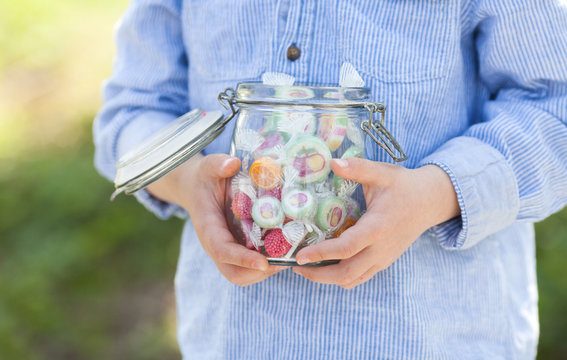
{"type": "Point", "coordinates": [476, 87]}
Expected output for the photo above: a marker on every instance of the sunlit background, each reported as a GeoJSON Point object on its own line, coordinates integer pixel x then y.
{"type": "Point", "coordinates": [83, 278]}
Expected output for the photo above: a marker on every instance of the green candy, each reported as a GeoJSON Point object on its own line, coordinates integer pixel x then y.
{"type": "Point", "coordinates": [267, 212]}
{"type": "Point", "coordinates": [299, 204]}
{"type": "Point", "coordinates": [310, 157]}
{"type": "Point", "coordinates": [331, 213]}
{"type": "Point", "coordinates": [353, 152]}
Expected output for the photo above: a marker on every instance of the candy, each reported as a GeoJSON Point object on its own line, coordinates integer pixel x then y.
{"type": "Point", "coordinates": [266, 173]}
{"type": "Point", "coordinates": [353, 152]}
{"type": "Point", "coordinates": [295, 122]}
{"type": "Point", "coordinates": [298, 204]}
{"type": "Point", "coordinates": [331, 213]}
{"type": "Point", "coordinates": [275, 243]}
{"type": "Point", "coordinates": [267, 212]}
{"type": "Point", "coordinates": [294, 233]}
{"type": "Point", "coordinates": [332, 129]}
{"type": "Point", "coordinates": [353, 210]}
{"type": "Point", "coordinates": [270, 146]}
{"type": "Point", "coordinates": [349, 222]}
{"type": "Point", "coordinates": [252, 234]}
{"type": "Point", "coordinates": [241, 183]}
{"type": "Point", "coordinates": [242, 206]}
{"type": "Point", "coordinates": [337, 181]}
{"type": "Point", "coordinates": [275, 192]}
{"type": "Point", "coordinates": [310, 157]}
{"type": "Point", "coordinates": [247, 140]}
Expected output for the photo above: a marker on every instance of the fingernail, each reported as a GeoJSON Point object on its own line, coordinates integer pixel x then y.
{"type": "Point", "coordinates": [341, 162]}
{"type": "Point", "coordinates": [227, 162]}
{"type": "Point", "coordinates": [302, 260]}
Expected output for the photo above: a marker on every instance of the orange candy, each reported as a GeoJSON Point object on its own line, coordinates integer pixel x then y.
{"type": "Point", "coordinates": [347, 224]}
{"type": "Point", "coordinates": [266, 173]}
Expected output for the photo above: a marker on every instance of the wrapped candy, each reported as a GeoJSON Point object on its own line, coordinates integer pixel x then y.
{"type": "Point", "coordinates": [299, 204]}
{"type": "Point", "coordinates": [310, 157]}
{"type": "Point", "coordinates": [267, 212]}
{"type": "Point", "coordinates": [266, 173]}
{"type": "Point", "coordinates": [331, 213]}
{"type": "Point", "coordinates": [332, 129]}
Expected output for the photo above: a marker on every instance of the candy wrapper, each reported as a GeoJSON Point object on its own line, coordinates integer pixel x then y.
{"type": "Point", "coordinates": [349, 77]}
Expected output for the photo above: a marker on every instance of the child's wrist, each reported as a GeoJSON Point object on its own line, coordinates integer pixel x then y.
{"type": "Point", "coordinates": [442, 196]}
{"type": "Point", "coordinates": [174, 186]}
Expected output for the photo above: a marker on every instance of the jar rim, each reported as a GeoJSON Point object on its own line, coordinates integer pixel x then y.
{"type": "Point", "coordinates": [255, 92]}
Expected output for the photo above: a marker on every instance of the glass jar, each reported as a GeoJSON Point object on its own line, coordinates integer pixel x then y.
{"type": "Point", "coordinates": [285, 196]}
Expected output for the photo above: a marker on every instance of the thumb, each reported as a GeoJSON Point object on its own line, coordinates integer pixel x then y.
{"type": "Point", "coordinates": [364, 171]}
{"type": "Point", "coordinates": [219, 166]}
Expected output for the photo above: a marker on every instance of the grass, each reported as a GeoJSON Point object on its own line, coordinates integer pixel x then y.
{"type": "Point", "coordinates": [83, 278]}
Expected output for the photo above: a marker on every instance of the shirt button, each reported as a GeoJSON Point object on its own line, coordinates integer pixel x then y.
{"type": "Point", "coordinates": [293, 53]}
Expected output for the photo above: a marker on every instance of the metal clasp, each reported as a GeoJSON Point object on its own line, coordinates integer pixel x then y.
{"type": "Point", "coordinates": [377, 128]}
{"type": "Point", "coordinates": [228, 95]}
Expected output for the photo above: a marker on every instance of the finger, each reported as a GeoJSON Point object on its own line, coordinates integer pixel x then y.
{"type": "Point", "coordinates": [219, 166]}
{"type": "Point", "coordinates": [351, 242]}
{"type": "Point", "coordinates": [239, 255]}
{"type": "Point", "coordinates": [344, 273]}
{"type": "Point", "coordinates": [364, 277]}
{"type": "Point", "coordinates": [364, 171]}
{"type": "Point", "coordinates": [224, 249]}
{"type": "Point", "coordinates": [244, 277]}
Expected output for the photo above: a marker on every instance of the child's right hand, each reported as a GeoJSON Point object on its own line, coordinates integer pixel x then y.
{"type": "Point", "coordinates": [199, 187]}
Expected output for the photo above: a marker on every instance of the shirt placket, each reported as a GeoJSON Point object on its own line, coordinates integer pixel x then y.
{"type": "Point", "coordinates": [292, 38]}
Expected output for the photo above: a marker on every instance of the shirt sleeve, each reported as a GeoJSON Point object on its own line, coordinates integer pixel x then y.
{"type": "Point", "coordinates": [512, 165]}
{"type": "Point", "coordinates": [147, 90]}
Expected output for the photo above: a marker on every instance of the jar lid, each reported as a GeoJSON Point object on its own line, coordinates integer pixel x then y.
{"type": "Point", "coordinates": [167, 149]}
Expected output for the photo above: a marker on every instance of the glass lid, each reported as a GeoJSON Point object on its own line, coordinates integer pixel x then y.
{"type": "Point", "coordinates": [167, 149]}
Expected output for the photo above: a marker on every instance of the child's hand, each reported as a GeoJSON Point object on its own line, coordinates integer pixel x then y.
{"type": "Point", "coordinates": [199, 187]}
{"type": "Point", "coordinates": [401, 205]}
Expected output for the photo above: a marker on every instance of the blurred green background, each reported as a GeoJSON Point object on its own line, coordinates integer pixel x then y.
{"type": "Point", "coordinates": [83, 278]}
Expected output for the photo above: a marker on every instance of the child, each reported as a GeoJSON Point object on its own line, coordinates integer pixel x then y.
{"type": "Point", "coordinates": [442, 264]}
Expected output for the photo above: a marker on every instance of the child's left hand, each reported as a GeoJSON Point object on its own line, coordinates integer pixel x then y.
{"type": "Point", "coordinates": [401, 204]}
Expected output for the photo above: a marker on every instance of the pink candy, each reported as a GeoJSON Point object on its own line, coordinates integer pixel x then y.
{"type": "Point", "coordinates": [275, 243]}
{"type": "Point", "coordinates": [275, 192]}
{"type": "Point", "coordinates": [242, 206]}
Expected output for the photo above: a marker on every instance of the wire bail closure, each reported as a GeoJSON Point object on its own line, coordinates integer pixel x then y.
{"type": "Point", "coordinates": [385, 140]}
{"type": "Point", "coordinates": [227, 97]}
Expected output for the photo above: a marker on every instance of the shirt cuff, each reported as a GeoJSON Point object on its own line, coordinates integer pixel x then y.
{"type": "Point", "coordinates": [486, 189]}
{"type": "Point", "coordinates": [133, 134]}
